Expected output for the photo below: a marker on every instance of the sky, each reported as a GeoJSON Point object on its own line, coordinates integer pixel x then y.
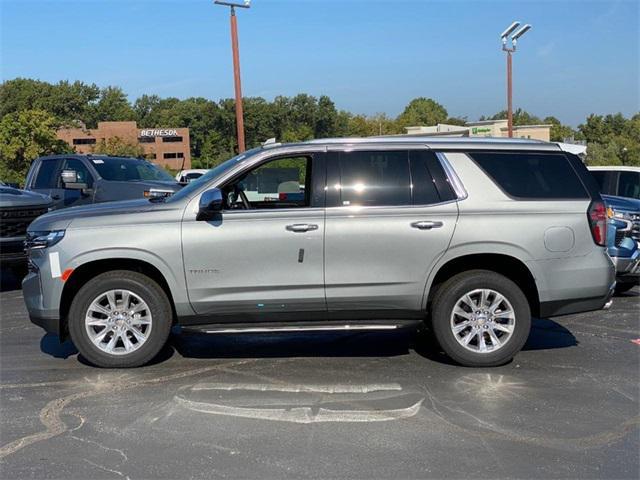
{"type": "Point", "coordinates": [580, 57]}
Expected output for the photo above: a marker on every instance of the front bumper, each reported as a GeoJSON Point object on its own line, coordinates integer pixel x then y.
{"type": "Point", "coordinates": [38, 304]}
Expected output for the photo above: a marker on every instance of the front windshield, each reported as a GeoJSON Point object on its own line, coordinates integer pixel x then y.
{"type": "Point", "coordinates": [216, 171]}
{"type": "Point", "coordinates": [129, 170]}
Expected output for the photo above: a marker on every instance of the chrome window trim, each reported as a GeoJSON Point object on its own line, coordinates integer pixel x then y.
{"type": "Point", "coordinates": [452, 176]}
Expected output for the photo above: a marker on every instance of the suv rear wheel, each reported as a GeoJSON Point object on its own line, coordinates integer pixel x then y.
{"type": "Point", "coordinates": [120, 319]}
{"type": "Point", "coordinates": [480, 318]}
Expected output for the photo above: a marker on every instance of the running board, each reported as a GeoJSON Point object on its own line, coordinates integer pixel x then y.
{"type": "Point", "coordinates": [301, 327]}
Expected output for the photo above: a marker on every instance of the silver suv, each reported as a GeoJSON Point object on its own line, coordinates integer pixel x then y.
{"type": "Point", "coordinates": [471, 236]}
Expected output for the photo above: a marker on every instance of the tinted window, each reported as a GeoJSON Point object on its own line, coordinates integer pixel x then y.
{"type": "Point", "coordinates": [374, 178]}
{"type": "Point", "coordinates": [46, 177]}
{"type": "Point", "coordinates": [532, 175]}
{"type": "Point", "coordinates": [629, 184]}
{"type": "Point", "coordinates": [601, 178]}
{"type": "Point", "coordinates": [129, 169]}
{"type": "Point", "coordinates": [84, 176]}
{"type": "Point", "coordinates": [428, 180]}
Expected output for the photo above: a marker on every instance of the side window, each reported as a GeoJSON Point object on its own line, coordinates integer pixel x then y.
{"type": "Point", "coordinates": [84, 176]}
{"type": "Point", "coordinates": [535, 176]}
{"type": "Point", "coordinates": [280, 183]}
{"type": "Point", "coordinates": [46, 177]}
{"type": "Point", "coordinates": [629, 184]}
{"type": "Point", "coordinates": [374, 178]}
{"type": "Point", "coordinates": [600, 176]}
{"type": "Point", "coordinates": [428, 181]}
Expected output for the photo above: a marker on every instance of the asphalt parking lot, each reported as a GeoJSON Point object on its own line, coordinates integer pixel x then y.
{"type": "Point", "coordinates": [325, 406]}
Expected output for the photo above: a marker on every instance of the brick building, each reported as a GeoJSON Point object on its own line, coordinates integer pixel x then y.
{"type": "Point", "coordinates": [168, 147]}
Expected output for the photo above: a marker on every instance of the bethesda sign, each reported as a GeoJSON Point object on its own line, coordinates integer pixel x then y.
{"type": "Point", "coordinates": [158, 132]}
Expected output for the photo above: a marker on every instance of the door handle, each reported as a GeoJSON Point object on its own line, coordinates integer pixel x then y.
{"type": "Point", "coordinates": [426, 224]}
{"type": "Point", "coordinates": [55, 197]}
{"type": "Point", "coordinates": [301, 227]}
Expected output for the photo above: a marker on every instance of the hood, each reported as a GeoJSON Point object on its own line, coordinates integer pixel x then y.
{"type": "Point", "coordinates": [94, 214]}
{"type": "Point", "coordinates": [622, 203]}
{"type": "Point", "coordinates": [14, 198]}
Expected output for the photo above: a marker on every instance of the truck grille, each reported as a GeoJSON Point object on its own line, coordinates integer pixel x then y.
{"type": "Point", "coordinates": [14, 221]}
{"type": "Point", "coordinates": [635, 228]}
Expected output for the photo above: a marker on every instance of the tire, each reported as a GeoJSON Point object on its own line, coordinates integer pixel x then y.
{"type": "Point", "coordinates": [624, 287]}
{"type": "Point", "coordinates": [506, 345]}
{"type": "Point", "coordinates": [152, 324]}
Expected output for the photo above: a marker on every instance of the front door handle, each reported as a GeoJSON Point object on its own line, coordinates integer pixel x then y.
{"type": "Point", "coordinates": [301, 227]}
{"type": "Point", "coordinates": [426, 224]}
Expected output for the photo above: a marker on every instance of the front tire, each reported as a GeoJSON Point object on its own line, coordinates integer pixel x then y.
{"type": "Point", "coordinates": [120, 319]}
{"type": "Point", "coordinates": [480, 318]}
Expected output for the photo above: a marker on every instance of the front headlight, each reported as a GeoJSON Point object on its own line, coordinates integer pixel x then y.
{"type": "Point", "coordinates": [46, 239]}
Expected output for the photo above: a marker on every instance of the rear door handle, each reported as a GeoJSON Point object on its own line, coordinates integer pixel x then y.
{"type": "Point", "coordinates": [301, 227]}
{"type": "Point", "coordinates": [426, 225]}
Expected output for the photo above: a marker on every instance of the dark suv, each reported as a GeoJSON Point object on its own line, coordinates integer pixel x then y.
{"type": "Point", "coordinates": [72, 180]}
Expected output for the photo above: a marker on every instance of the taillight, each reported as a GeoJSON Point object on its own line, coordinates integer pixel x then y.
{"type": "Point", "coordinates": [598, 222]}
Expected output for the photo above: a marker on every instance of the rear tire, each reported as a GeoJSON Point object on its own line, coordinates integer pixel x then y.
{"type": "Point", "coordinates": [624, 287]}
{"type": "Point", "coordinates": [492, 334]}
{"type": "Point", "coordinates": [120, 319]}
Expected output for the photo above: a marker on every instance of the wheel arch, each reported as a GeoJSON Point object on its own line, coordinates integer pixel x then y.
{"type": "Point", "coordinates": [88, 270]}
{"type": "Point", "coordinates": [511, 267]}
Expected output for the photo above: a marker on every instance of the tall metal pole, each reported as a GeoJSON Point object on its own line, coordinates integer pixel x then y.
{"type": "Point", "coordinates": [236, 81]}
{"type": "Point", "coordinates": [509, 94]}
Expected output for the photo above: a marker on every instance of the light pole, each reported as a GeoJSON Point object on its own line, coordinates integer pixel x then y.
{"type": "Point", "coordinates": [236, 67]}
{"type": "Point", "coordinates": [510, 50]}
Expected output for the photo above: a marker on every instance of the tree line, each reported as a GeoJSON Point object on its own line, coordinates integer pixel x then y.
{"type": "Point", "coordinates": [32, 110]}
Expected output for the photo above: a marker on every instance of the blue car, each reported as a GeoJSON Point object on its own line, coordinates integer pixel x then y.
{"type": "Point", "coordinates": [623, 238]}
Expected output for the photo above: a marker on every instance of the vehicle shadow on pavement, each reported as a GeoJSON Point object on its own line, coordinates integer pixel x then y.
{"type": "Point", "coordinates": [545, 334]}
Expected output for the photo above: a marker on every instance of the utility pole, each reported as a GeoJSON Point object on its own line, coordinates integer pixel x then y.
{"type": "Point", "coordinates": [510, 51]}
{"type": "Point", "coordinates": [236, 68]}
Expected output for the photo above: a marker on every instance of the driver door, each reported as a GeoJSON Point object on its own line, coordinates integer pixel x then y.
{"type": "Point", "coordinates": [263, 257]}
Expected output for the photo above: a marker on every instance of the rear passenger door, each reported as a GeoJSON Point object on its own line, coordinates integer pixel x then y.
{"type": "Point", "coordinates": [390, 216]}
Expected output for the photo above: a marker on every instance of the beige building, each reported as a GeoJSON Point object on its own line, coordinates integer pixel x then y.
{"type": "Point", "coordinates": [484, 128]}
{"type": "Point", "coordinates": [168, 147]}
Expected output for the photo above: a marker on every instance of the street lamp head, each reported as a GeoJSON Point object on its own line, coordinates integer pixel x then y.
{"type": "Point", "coordinates": [520, 32]}
{"type": "Point", "coordinates": [244, 4]}
{"type": "Point", "coordinates": [508, 31]}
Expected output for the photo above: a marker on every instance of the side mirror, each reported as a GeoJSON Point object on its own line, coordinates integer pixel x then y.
{"type": "Point", "coordinates": [70, 180]}
{"type": "Point", "coordinates": [210, 205]}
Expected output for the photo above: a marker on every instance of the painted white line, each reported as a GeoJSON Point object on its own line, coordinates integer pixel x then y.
{"type": "Point", "coordinates": [54, 263]}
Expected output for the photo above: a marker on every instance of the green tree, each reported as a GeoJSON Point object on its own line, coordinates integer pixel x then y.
{"type": "Point", "coordinates": [326, 118]}
{"type": "Point", "coordinates": [118, 147]}
{"type": "Point", "coordinates": [68, 102]}
{"type": "Point", "coordinates": [422, 111]}
{"type": "Point", "coordinates": [25, 136]}
{"type": "Point", "coordinates": [558, 131]}
{"type": "Point", "coordinates": [112, 106]}
{"type": "Point", "coordinates": [520, 117]}
{"type": "Point", "coordinates": [602, 154]}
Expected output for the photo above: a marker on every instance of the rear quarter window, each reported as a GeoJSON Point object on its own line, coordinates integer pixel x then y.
{"type": "Point", "coordinates": [536, 176]}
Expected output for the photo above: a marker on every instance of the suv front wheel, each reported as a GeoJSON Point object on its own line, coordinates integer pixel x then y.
{"type": "Point", "coordinates": [120, 319]}
{"type": "Point", "coordinates": [480, 318]}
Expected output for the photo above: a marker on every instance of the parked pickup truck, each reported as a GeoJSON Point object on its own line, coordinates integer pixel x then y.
{"type": "Point", "coordinates": [18, 209]}
{"type": "Point", "coordinates": [72, 180]}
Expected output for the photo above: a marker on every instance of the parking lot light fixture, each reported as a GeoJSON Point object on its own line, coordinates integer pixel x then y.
{"type": "Point", "coordinates": [510, 50]}
{"type": "Point", "coordinates": [236, 67]}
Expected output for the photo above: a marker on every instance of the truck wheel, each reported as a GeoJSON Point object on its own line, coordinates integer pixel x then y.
{"type": "Point", "coordinates": [624, 287]}
{"type": "Point", "coordinates": [120, 319]}
{"type": "Point", "coordinates": [480, 318]}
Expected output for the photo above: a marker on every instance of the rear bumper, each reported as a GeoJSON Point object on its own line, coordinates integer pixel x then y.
{"type": "Point", "coordinates": [576, 305]}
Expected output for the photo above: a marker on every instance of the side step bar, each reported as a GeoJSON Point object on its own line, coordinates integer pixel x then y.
{"type": "Point", "coordinates": [301, 327]}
